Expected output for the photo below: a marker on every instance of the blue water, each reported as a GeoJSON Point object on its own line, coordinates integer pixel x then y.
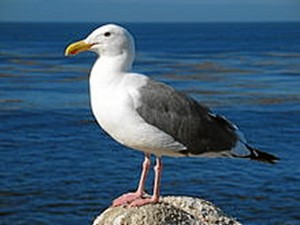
{"type": "Point", "coordinates": [58, 167]}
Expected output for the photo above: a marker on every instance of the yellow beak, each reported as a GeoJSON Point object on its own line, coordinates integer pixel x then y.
{"type": "Point", "coordinates": [77, 47]}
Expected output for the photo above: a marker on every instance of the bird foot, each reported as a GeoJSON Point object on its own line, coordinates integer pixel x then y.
{"type": "Point", "coordinates": [143, 201]}
{"type": "Point", "coordinates": [126, 199]}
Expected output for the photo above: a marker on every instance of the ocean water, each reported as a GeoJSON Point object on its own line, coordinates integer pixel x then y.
{"type": "Point", "coordinates": [57, 165]}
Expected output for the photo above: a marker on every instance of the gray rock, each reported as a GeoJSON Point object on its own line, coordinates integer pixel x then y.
{"type": "Point", "coordinates": [170, 210]}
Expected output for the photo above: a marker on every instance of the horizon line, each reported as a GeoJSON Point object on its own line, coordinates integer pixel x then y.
{"type": "Point", "coordinates": [140, 22]}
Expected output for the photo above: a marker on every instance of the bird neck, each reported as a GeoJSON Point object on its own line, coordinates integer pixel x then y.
{"type": "Point", "coordinates": [110, 69]}
{"type": "Point", "coordinates": [115, 63]}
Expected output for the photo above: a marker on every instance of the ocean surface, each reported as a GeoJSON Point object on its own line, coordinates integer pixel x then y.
{"type": "Point", "coordinates": [57, 165]}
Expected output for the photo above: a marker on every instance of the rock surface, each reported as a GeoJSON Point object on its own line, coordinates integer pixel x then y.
{"type": "Point", "coordinates": [170, 210]}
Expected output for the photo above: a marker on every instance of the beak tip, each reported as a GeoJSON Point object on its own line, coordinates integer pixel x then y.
{"type": "Point", "coordinates": [69, 52]}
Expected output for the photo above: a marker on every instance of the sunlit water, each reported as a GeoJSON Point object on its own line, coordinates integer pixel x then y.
{"type": "Point", "coordinates": [58, 167]}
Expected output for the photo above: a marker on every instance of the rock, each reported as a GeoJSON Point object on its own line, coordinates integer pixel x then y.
{"type": "Point", "coordinates": [170, 210]}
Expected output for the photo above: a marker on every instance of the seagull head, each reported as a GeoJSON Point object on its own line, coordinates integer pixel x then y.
{"type": "Point", "coordinates": [109, 40]}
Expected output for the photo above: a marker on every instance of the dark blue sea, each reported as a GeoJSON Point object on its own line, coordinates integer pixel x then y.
{"type": "Point", "coordinates": [57, 165]}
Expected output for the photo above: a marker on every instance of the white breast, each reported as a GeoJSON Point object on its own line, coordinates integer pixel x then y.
{"type": "Point", "coordinates": [114, 108]}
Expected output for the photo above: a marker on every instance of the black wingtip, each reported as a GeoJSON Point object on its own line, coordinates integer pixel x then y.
{"type": "Point", "coordinates": [261, 156]}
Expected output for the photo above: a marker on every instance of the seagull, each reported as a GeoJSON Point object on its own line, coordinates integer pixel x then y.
{"type": "Point", "coordinates": [150, 116]}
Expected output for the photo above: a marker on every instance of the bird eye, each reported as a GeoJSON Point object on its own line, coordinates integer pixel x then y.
{"type": "Point", "coordinates": [107, 34]}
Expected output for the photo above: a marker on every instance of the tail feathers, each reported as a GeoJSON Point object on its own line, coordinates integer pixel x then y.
{"type": "Point", "coordinates": [261, 156]}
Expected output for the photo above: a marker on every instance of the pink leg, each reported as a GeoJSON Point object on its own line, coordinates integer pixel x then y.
{"type": "Point", "coordinates": [156, 188]}
{"type": "Point", "coordinates": [130, 197]}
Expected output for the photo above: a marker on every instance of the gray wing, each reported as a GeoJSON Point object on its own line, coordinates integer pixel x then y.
{"type": "Point", "coordinates": [188, 122]}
